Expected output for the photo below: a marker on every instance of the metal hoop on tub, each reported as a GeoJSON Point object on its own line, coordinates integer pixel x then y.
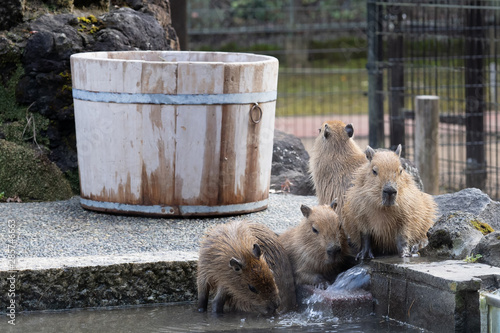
{"type": "Point", "coordinates": [259, 113]}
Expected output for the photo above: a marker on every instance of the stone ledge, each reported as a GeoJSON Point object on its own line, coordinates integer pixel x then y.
{"type": "Point", "coordinates": [82, 282]}
{"type": "Point", "coordinates": [441, 296]}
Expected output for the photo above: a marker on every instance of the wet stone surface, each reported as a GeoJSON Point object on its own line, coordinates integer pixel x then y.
{"type": "Point", "coordinates": [439, 296]}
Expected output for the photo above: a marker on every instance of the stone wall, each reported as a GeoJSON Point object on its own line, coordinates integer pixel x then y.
{"type": "Point", "coordinates": [41, 39]}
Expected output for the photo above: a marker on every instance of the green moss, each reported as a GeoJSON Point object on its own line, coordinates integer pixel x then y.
{"type": "Point", "coordinates": [93, 24]}
{"type": "Point", "coordinates": [473, 258]}
{"type": "Point", "coordinates": [9, 110]}
{"type": "Point", "coordinates": [16, 122]}
{"type": "Point", "coordinates": [485, 228]}
{"type": "Point", "coordinates": [30, 175]}
{"type": "Point", "coordinates": [74, 180]}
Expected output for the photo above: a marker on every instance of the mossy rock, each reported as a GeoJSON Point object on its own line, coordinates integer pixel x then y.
{"type": "Point", "coordinates": [30, 175]}
{"type": "Point", "coordinates": [484, 227]}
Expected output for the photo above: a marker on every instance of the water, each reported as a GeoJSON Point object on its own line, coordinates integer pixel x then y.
{"type": "Point", "coordinates": [315, 315]}
{"type": "Point", "coordinates": [185, 318]}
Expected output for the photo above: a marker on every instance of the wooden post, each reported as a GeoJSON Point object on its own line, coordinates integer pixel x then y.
{"type": "Point", "coordinates": [426, 141]}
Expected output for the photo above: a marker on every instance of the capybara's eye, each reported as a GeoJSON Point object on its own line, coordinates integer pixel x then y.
{"type": "Point", "coordinates": [400, 170]}
{"type": "Point", "coordinates": [315, 230]}
{"type": "Point", "coordinates": [252, 289]}
{"type": "Point", "coordinates": [374, 172]}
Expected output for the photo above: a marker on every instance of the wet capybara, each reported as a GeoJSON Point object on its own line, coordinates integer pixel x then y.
{"type": "Point", "coordinates": [317, 247]}
{"type": "Point", "coordinates": [334, 158]}
{"type": "Point", "coordinates": [384, 212]}
{"type": "Point", "coordinates": [244, 265]}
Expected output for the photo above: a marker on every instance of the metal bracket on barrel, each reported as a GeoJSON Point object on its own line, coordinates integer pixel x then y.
{"type": "Point", "coordinates": [259, 110]}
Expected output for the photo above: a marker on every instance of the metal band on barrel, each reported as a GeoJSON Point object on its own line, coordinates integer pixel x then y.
{"type": "Point", "coordinates": [179, 99]}
{"type": "Point", "coordinates": [167, 210]}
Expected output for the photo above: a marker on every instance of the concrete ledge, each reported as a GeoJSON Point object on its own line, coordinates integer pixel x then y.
{"type": "Point", "coordinates": [441, 296]}
{"type": "Point", "coordinates": [97, 281]}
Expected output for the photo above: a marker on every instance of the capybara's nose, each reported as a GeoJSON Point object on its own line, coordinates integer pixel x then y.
{"type": "Point", "coordinates": [332, 250]}
{"type": "Point", "coordinates": [271, 308]}
{"type": "Point", "coordinates": [389, 190]}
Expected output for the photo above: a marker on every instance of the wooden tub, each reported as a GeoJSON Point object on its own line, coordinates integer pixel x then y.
{"type": "Point", "coordinates": [174, 133]}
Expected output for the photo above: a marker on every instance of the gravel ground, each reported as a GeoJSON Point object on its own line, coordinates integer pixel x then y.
{"type": "Point", "coordinates": [65, 229]}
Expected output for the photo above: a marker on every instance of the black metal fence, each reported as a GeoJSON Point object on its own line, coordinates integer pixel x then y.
{"type": "Point", "coordinates": [365, 61]}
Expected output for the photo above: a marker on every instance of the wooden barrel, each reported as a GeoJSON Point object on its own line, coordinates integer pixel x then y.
{"type": "Point", "coordinates": [174, 133]}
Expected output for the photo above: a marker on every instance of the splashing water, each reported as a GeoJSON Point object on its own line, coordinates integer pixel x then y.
{"type": "Point", "coordinates": [355, 278]}
{"type": "Point", "coordinates": [319, 305]}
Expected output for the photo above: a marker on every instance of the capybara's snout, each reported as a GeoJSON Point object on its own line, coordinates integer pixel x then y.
{"type": "Point", "coordinates": [333, 250]}
{"type": "Point", "coordinates": [389, 193]}
{"type": "Point", "coordinates": [272, 306]}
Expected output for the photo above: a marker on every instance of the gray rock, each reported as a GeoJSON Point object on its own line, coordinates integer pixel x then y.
{"type": "Point", "coordinates": [469, 200]}
{"type": "Point", "coordinates": [491, 214]}
{"type": "Point", "coordinates": [290, 162]}
{"type": "Point", "coordinates": [489, 248]}
{"type": "Point", "coordinates": [129, 30]}
{"type": "Point", "coordinates": [453, 236]}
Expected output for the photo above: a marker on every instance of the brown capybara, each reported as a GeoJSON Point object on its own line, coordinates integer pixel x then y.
{"type": "Point", "coordinates": [244, 265]}
{"type": "Point", "coordinates": [334, 158]}
{"type": "Point", "coordinates": [317, 247]}
{"type": "Point", "coordinates": [384, 212]}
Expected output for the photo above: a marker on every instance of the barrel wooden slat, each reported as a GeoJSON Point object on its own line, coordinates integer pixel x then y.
{"type": "Point", "coordinates": [142, 149]}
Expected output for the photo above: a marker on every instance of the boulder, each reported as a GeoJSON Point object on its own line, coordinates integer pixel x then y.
{"type": "Point", "coordinates": [160, 9]}
{"type": "Point", "coordinates": [30, 175]}
{"type": "Point", "coordinates": [471, 200]}
{"type": "Point", "coordinates": [46, 84]}
{"type": "Point", "coordinates": [290, 165]}
{"type": "Point", "coordinates": [455, 235]}
{"type": "Point", "coordinates": [11, 13]}
{"type": "Point", "coordinates": [489, 249]}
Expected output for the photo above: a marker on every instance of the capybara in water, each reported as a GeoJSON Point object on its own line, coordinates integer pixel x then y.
{"type": "Point", "coordinates": [384, 212]}
{"type": "Point", "coordinates": [246, 267]}
{"type": "Point", "coordinates": [334, 158]}
{"type": "Point", "coordinates": [317, 247]}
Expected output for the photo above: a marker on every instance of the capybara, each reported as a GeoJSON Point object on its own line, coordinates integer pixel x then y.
{"type": "Point", "coordinates": [245, 266]}
{"type": "Point", "coordinates": [384, 212]}
{"type": "Point", "coordinates": [334, 158]}
{"type": "Point", "coordinates": [317, 247]}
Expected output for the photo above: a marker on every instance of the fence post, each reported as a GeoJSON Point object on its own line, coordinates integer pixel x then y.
{"type": "Point", "coordinates": [474, 97]}
{"type": "Point", "coordinates": [426, 141]}
{"type": "Point", "coordinates": [178, 10]}
{"type": "Point", "coordinates": [376, 133]}
{"type": "Point", "coordinates": [396, 78]}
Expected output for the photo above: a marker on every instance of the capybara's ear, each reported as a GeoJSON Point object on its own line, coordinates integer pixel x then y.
{"type": "Point", "coordinates": [349, 130]}
{"type": "Point", "coordinates": [306, 211]}
{"type": "Point", "coordinates": [334, 204]}
{"type": "Point", "coordinates": [256, 251]}
{"type": "Point", "coordinates": [235, 264]}
{"type": "Point", "coordinates": [398, 150]}
{"type": "Point", "coordinates": [326, 133]}
{"type": "Point", "coordinates": [369, 153]}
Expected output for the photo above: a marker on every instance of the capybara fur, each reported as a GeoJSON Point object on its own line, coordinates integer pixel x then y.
{"type": "Point", "coordinates": [245, 266]}
{"type": "Point", "coordinates": [317, 247]}
{"type": "Point", "coordinates": [334, 158]}
{"type": "Point", "coordinates": [384, 212]}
